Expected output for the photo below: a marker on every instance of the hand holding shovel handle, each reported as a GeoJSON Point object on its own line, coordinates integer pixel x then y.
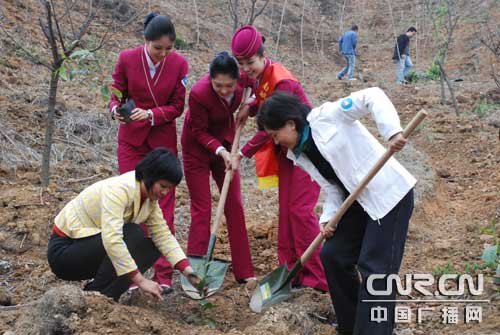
{"type": "Point", "coordinates": [355, 194]}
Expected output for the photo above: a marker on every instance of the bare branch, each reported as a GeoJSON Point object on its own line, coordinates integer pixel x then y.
{"type": "Point", "coordinates": [234, 11]}
{"type": "Point", "coordinates": [61, 39]}
{"type": "Point", "coordinates": [68, 12]}
{"type": "Point", "coordinates": [494, 49]}
{"type": "Point", "coordinates": [279, 29]}
{"type": "Point", "coordinates": [262, 9]}
{"type": "Point", "coordinates": [44, 28]}
{"type": "Point", "coordinates": [50, 36]}
{"type": "Point", "coordinates": [494, 76]}
{"type": "Point", "coordinates": [302, 37]}
{"type": "Point", "coordinates": [83, 29]}
{"type": "Point", "coordinates": [254, 14]}
{"type": "Point", "coordinates": [101, 42]}
{"type": "Point", "coordinates": [252, 11]}
{"type": "Point", "coordinates": [129, 21]}
{"type": "Point", "coordinates": [197, 23]}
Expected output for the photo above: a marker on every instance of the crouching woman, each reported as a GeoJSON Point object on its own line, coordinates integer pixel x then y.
{"type": "Point", "coordinates": [337, 151]}
{"type": "Point", "coordinates": [97, 234]}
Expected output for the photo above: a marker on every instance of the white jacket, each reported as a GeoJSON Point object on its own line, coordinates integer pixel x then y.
{"type": "Point", "coordinates": [352, 151]}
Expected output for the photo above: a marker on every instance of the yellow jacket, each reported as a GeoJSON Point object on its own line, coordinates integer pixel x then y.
{"type": "Point", "coordinates": [104, 207]}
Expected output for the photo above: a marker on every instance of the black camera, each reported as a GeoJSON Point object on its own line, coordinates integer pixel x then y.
{"type": "Point", "coordinates": [126, 109]}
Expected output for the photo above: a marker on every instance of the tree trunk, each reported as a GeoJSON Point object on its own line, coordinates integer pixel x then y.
{"type": "Point", "coordinates": [302, 37]}
{"type": "Point", "coordinates": [197, 23]}
{"type": "Point", "coordinates": [49, 128]}
{"type": "Point", "coordinates": [443, 93]}
{"type": "Point", "coordinates": [444, 77]}
{"type": "Point", "coordinates": [279, 29]}
{"type": "Point", "coordinates": [236, 18]}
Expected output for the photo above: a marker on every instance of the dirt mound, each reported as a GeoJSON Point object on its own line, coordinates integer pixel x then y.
{"type": "Point", "coordinates": [59, 311]}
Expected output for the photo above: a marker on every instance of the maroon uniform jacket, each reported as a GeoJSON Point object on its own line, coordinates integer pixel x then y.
{"type": "Point", "coordinates": [164, 94]}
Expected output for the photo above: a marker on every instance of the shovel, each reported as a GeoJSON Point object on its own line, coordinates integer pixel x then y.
{"type": "Point", "coordinates": [213, 270]}
{"type": "Point", "coordinates": [276, 286]}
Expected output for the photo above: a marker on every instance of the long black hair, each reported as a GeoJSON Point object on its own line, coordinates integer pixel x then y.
{"type": "Point", "coordinates": [282, 107]}
{"type": "Point", "coordinates": [224, 63]}
{"type": "Point", "coordinates": [157, 165]}
{"type": "Point", "coordinates": [156, 26]}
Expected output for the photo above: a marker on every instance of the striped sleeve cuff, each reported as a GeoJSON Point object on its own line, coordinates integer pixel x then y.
{"type": "Point", "coordinates": [133, 273]}
{"type": "Point", "coordinates": [182, 264]}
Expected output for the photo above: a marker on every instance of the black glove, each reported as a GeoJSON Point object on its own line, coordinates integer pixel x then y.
{"type": "Point", "coordinates": [126, 109]}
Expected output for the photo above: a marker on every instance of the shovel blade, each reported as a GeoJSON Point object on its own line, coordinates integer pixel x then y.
{"type": "Point", "coordinates": [215, 270]}
{"type": "Point", "coordinates": [272, 289]}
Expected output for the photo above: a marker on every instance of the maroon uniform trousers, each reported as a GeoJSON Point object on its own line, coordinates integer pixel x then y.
{"type": "Point", "coordinates": [298, 225]}
{"type": "Point", "coordinates": [197, 171]}
{"type": "Point", "coordinates": [209, 124]}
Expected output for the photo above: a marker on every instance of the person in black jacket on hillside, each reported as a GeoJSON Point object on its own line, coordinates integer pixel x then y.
{"type": "Point", "coordinates": [401, 55]}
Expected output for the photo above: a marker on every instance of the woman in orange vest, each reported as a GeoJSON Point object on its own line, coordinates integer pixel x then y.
{"type": "Point", "coordinates": [298, 194]}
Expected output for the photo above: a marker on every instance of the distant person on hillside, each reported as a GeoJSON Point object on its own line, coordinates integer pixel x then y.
{"type": "Point", "coordinates": [207, 138]}
{"type": "Point", "coordinates": [97, 234]}
{"type": "Point", "coordinates": [152, 79]}
{"type": "Point", "coordinates": [347, 47]}
{"type": "Point", "coordinates": [401, 55]}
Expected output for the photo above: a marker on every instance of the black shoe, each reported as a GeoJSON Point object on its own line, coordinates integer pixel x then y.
{"type": "Point", "coordinates": [340, 332]}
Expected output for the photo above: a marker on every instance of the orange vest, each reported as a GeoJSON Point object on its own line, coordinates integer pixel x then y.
{"type": "Point", "coordinates": [266, 160]}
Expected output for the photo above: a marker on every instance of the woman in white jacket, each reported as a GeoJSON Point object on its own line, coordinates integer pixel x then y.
{"type": "Point", "coordinates": [337, 151]}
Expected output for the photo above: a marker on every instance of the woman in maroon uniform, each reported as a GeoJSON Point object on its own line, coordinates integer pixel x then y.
{"type": "Point", "coordinates": [207, 137]}
{"type": "Point", "coordinates": [154, 76]}
{"type": "Point", "coordinates": [298, 194]}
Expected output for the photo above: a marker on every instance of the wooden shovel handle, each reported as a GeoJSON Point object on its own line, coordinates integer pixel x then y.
{"type": "Point", "coordinates": [354, 195]}
{"type": "Point", "coordinates": [229, 174]}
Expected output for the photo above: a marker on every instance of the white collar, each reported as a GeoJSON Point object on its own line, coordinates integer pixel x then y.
{"type": "Point", "coordinates": [152, 67]}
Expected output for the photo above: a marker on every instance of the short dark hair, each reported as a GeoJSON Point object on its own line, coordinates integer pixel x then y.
{"type": "Point", "coordinates": [156, 26]}
{"type": "Point", "coordinates": [159, 164]}
{"type": "Point", "coordinates": [354, 27]}
{"type": "Point", "coordinates": [282, 107]}
{"type": "Point", "coordinates": [224, 63]}
{"type": "Point", "coordinates": [412, 29]}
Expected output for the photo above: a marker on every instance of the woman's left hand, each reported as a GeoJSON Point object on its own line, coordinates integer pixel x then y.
{"type": "Point", "coordinates": [328, 232]}
{"type": "Point", "coordinates": [193, 278]}
{"type": "Point", "coordinates": [139, 114]}
{"type": "Point", "coordinates": [226, 156]}
{"type": "Point", "coordinates": [235, 161]}
{"type": "Point", "coordinates": [397, 142]}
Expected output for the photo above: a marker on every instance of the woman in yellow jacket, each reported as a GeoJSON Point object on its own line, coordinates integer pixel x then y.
{"type": "Point", "coordinates": [97, 236]}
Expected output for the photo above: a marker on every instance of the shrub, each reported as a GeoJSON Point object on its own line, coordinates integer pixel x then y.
{"type": "Point", "coordinates": [433, 72]}
{"type": "Point", "coordinates": [180, 43]}
{"type": "Point", "coordinates": [483, 107]}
